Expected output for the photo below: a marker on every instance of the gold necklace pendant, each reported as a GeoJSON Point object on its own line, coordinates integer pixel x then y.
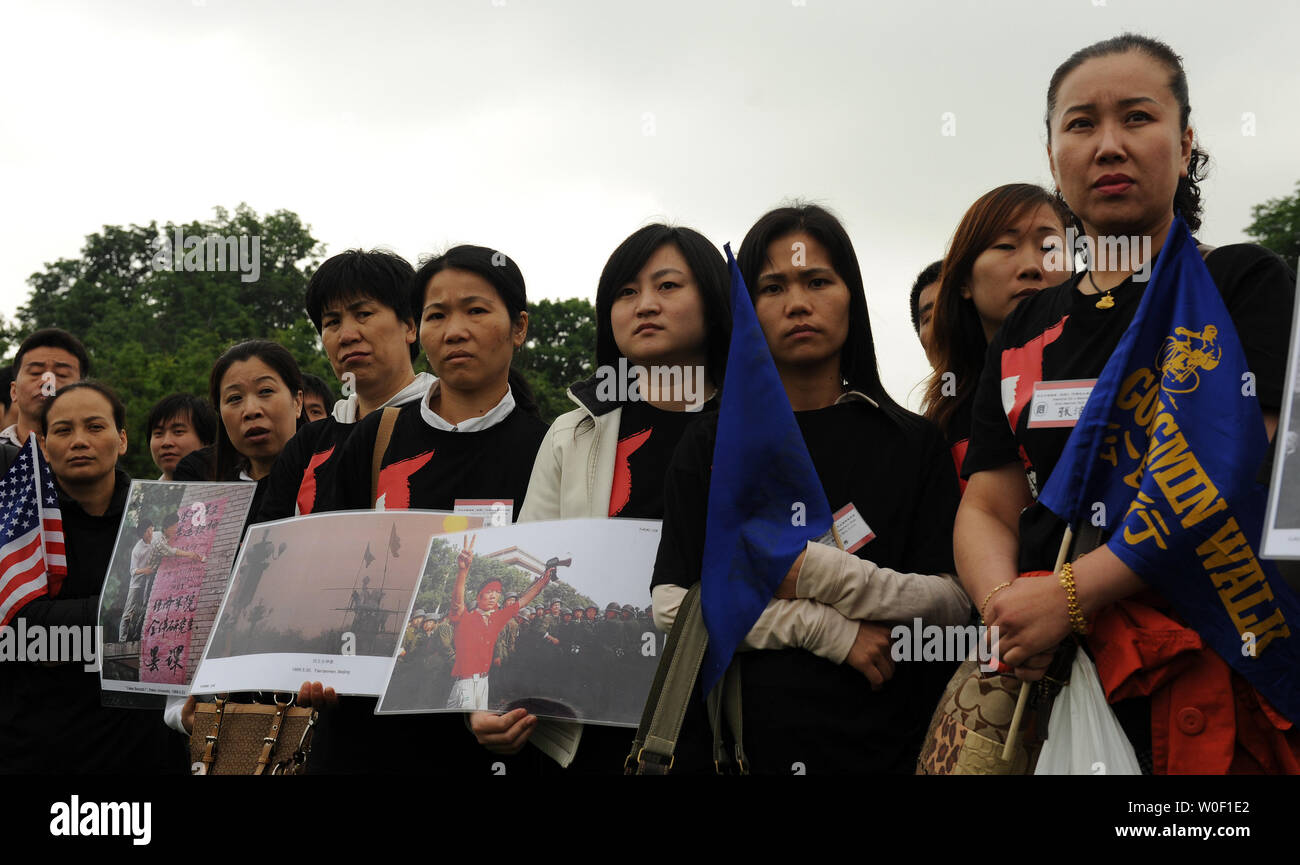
{"type": "Point", "coordinates": [1106, 301]}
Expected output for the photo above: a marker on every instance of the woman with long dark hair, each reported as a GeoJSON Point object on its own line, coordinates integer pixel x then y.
{"type": "Point", "coordinates": [819, 685]}
{"type": "Point", "coordinates": [662, 317]}
{"type": "Point", "coordinates": [1009, 245]}
{"type": "Point", "coordinates": [1123, 154]}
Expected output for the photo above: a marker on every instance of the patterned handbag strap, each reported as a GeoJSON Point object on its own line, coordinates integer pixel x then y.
{"type": "Point", "coordinates": [298, 759]}
{"type": "Point", "coordinates": [272, 737]}
{"type": "Point", "coordinates": [210, 748]}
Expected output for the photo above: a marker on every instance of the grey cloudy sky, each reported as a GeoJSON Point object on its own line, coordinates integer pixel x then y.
{"type": "Point", "coordinates": [551, 129]}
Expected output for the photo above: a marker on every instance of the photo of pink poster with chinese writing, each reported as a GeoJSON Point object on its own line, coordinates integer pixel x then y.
{"type": "Point", "coordinates": [170, 567]}
{"type": "Point", "coordinates": [178, 581]}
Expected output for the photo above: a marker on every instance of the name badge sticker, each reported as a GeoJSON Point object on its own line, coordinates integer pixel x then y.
{"type": "Point", "coordinates": [853, 529]}
{"type": "Point", "coordinates": [495, 512]}
{"type": "Point", "coordinates": [1059, 403]}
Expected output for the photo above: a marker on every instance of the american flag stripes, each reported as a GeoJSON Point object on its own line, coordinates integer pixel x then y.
{"type": "Point", "coordinates": [33, 561]}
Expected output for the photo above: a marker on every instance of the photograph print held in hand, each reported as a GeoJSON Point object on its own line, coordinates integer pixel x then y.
{"type": "Point", "coordinates": [320, 598]}
{"type": "Point", "coordinates": [553, 617]}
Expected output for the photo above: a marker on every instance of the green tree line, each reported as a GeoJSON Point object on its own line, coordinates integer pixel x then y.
{"type": "Point", "coordinates": [152, 331]}
{"type": "Point", "coordinates": [152, 328]}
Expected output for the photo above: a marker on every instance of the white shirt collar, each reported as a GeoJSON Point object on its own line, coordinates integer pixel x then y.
{"type": "Point", "coordinates": [498, 413]}
{"type": "Point", "coordinates": [345, 410]}
{"type": "Point", "coordinates": [856, 395]}
{"type": "Point", "coordinates": [10, 434]}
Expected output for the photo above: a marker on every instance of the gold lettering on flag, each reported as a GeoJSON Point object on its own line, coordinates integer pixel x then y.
{"type": "Point", "coordinates": [1226, 556]}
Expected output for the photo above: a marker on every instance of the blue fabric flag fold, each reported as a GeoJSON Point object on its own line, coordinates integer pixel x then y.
{"type": "Point", "coordinates": [1166, 453]}
{"type": "Point", "coordinates": [765, 499]}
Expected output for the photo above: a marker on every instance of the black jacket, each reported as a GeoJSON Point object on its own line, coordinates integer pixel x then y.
{"type": "Point", "coordinates": [51, 717]}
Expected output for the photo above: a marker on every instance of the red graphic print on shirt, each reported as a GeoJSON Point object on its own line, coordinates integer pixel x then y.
{"type": "Point", "coordinates": [958, 457]}
{"type": "Point", "coordinates": [395, 481]}
{"type": "Point", "coordinates": [307, 489]}
{"type": "Point", "coordinates": [622, 489]}
{"type": "Point", "coordinates": [1022, 368]}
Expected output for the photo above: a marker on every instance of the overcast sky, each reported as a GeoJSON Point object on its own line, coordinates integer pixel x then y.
{"type": "Point", "coordinates": [551, 129]}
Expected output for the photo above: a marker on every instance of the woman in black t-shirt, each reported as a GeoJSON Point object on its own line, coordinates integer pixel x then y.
{"type": "Point", "coordinates": [662, 318]}
{"type": "Point", "coordinates": [1008, 246]}
{"type": "Point", "coordinates": [473, 436]}
{"type": "Point", "coordinates": [1123, 157]}
{"type": "Point", "coordinates": [820, 687]}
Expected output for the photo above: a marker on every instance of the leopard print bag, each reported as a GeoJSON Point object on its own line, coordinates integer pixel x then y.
{"type": "Point", "coordinates": [969, 729]}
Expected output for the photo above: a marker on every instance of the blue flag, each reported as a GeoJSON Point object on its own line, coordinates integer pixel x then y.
{"type": "Point", "coordinates": [765, 499]}
{"type": "Point", "coordinates": [1167, 451]}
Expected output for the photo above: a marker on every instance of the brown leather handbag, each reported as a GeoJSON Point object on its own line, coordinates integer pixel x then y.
{"type": "Point", "coordinates": [251, 738]}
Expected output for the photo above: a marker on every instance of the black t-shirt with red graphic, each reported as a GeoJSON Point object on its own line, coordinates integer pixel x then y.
{"type": "Point", "coordinates": [430, 469]}
{"type": "Point", "coordinates": [1060, 335]}
{"type": "Point", "coordinates": [798, 707]}
{"type": "Point", "coordinates": [958, 436]}
{"type": "Point", "coordinates": [647, 437]}
{"type": "Point", "coordinates": [303, 475]}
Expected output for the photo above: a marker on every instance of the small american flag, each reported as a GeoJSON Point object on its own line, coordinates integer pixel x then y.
{"type": "Point", "coordinates": [33, 561]}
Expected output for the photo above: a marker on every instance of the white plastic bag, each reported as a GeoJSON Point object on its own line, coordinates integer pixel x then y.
{"type": "Point", "coordinates": [1083, 735]}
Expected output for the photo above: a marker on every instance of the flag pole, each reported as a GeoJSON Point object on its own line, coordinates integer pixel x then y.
{"type": "Point", "coordinates": [388, 549]}
{"type": "Point", "coordinates": [383, 581]}
{"type": "Point", "coordinates": [1014, 733]}
{"type": "Point", "coordinates": [343, 620]}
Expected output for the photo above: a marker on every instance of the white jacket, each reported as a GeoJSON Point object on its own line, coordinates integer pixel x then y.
{"type": "Point", "coordinates": [573, 474]}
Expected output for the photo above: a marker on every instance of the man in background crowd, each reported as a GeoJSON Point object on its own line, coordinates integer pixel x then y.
{"type": "Point", "coordinates": [45, 362]}
{"type": "Point", "coordinates": [924, 293]}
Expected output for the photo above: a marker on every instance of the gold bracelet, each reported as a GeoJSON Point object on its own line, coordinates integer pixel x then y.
{"type": "Point", "coordinates": [1078, 622]}
{"type": "Point", "coordinates": [999, 587]}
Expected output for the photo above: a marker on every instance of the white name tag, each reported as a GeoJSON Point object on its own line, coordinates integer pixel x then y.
{"type": "Point", "coordinates": [495, 512]}
{"type": "Point", "coordinates": [852, 528]}
{"type": "Point", "coordinates": [1059, 403]}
